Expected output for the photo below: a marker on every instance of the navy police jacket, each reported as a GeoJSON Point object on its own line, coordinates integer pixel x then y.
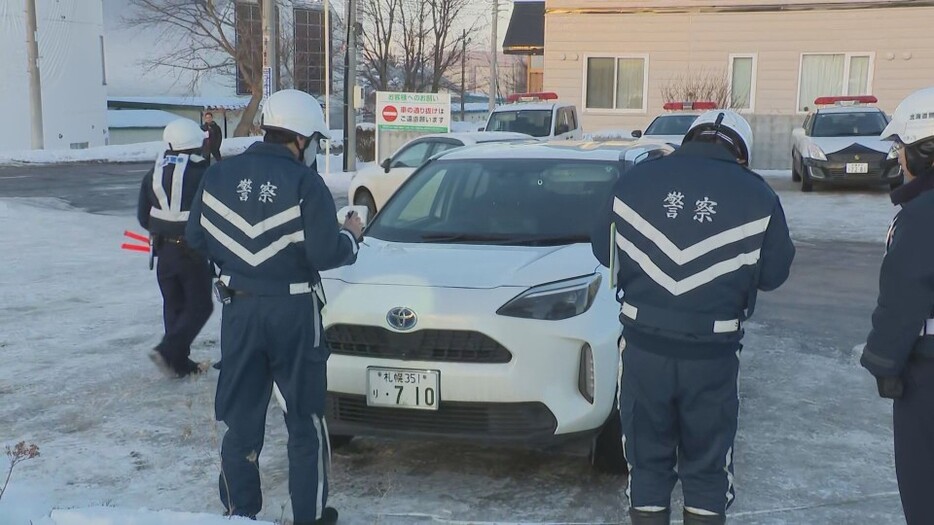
{"type": "Point", "coordinates": [695, 235]}
{"type": "Point", "coordinates": [165, 201]}
{"type": "Point", "coordinates": [901, 325]}
{"type": "Point", "coordinates": [269, 223]}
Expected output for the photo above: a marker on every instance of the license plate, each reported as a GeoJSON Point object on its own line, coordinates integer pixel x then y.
{"type": "Point", "coordinates": [857, 167]}
{"type": "Point", "coordinates": [403, 388]}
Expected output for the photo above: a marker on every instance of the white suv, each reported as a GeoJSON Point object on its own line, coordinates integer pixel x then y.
{"type": "Point", "coordinates": [533, 114]}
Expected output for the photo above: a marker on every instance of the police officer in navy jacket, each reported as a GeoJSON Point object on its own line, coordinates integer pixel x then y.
{"type": "Point", "coordinates": [184, 275]}
{"type": "Point", "coordinates": [696, 235]}
{"type": "Point", "coordinates": [268, 221]}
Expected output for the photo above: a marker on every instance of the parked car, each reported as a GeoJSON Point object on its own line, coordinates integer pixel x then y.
{"type": "Point", "coordinates": [839, 144]}
{"type": "Point", "coordinates": [671, 127]}
{"type": "Point", "coordinates": [372, 186]}
{"type": "Point", "coordinates": [476, 309]}
{"type": "Point", "coordinates": [535, 114]}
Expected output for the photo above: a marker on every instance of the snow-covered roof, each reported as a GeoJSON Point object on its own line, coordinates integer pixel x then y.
{"type": "Point", "coordinates": [232, 103]}
{"type": "Point", "coordinates": [139, 118]}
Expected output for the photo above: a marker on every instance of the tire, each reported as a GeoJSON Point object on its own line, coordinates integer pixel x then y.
{"type": "Point", "coordinates": [365, 198]}
{"type": "Point", "coordinates": [795, 174]}
{"type": "Point", "coordinates": [339, 442]}
{"type": "Point", "coordinates": [606, 450]}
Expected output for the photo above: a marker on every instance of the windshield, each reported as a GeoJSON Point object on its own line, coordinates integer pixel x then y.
{"type": "Point", "coordinates": [869, 123]}
{"type": "Point", "coordinates": [535, 122]}
{"type": "Point", "coordinates": [510, 202]}
{"type": "Point", "coordinates": [671, 125]}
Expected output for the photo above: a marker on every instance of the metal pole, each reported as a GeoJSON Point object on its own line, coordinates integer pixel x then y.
{"type": "Point", "coordinates": [270, 38]}
{"type": "Point", "coordinates": [327, 82]}
{"type": "Point", "coordinates": [35, 84]}
{"type": "Point", "coordinates": [494, 45]}
{"type": "Point", "coordinates": [350, 88]}
{"type": "Point", "coordinates": [463, 72]}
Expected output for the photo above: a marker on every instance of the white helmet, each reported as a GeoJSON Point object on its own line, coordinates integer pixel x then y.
{"type": "Point", "coordinates": [732, 128]}
{"type": "Point", "coordinates": [913, 120]}
{"type": "Point", "coordinates": [295, 111]}
{"type": "Point", "coordinates": [183, 134]}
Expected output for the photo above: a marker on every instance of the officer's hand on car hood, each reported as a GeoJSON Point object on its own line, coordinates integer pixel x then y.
{"type": "Point", "coordinates": [890, 387]}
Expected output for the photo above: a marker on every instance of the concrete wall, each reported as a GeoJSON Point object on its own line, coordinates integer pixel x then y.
{"type": "Point", "coordinates": [121, 136]}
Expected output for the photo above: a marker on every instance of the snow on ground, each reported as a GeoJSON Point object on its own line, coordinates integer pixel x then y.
{"type": "Point", "coordinates": [142, 152]}
{"type": "Point", "coordinates": [609, 134]}
{"type": "Point", "coordinates": [114, 516]}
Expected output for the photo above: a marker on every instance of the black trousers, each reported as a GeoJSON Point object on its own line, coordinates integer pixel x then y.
{"type": "Point", "coordinates": [914, 442]}
{"type": "Point", "coordinates": [185, 282]}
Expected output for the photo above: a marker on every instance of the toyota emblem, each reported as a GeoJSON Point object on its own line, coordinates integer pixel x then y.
{"type": "Point", "coordinates": [402, 318]}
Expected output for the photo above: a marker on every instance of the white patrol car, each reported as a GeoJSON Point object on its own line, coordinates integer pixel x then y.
{"type": "Point", "coordinates": [839, 144]}
{"type": "Point", "coordinates": [672, 126]}
{"type": "Point", "coordinates": [533, 114]}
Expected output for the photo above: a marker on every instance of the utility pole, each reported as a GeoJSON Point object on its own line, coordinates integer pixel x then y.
{"type": "Point", "coordinates": [270, 48]}
{"type": "Point", "coordinates": [494, 45]}
{"type": "Point", "coordinates": [35, 85]}
{"type": "Point", "coordinates": [463, 72]}
{"type": "Point", "coordinates": [350, 89]}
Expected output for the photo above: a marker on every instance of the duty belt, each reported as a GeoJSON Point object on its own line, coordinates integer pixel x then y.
{"type": "Point", "coordinates": [665, 319]}
{"type": "Point", "coordinates": [244, 286]}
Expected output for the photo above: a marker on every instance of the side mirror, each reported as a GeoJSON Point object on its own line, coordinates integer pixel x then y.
{"type": "Point", "coordinates": [637, 133]}
{"type": "Point", "coordinates": [481, 129]}
{"type": "Point", "coordinates": [385, 165]}
{"type": "Point", "coordinates": [362, 211]}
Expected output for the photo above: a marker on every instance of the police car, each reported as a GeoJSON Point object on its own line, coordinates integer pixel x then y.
{"type": "Point", "coordinates": [476, 309]}
{"type": "Point", "coordinates": [839, 144]}
{"type": "Point", "coordinates": [540, 115]}
{"type": "Point", "coordinates": [672, 126]}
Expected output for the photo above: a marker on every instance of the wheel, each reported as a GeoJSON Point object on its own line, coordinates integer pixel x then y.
{"type": "Point", "coordinates": [795, 174]}
{"type": "Point", "coordinates": [365, 198]}
{"type": "Point", "coordinates": [338, 442]}
{"type": "Point", "coordinates": [606, 450]}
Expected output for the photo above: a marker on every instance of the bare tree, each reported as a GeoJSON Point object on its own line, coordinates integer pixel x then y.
{"type": "Point", "coordinates": [205, 34]}
{"type": "Point", "coordinates": [447, 48]}
{"type": "Point", "coordinates": [414, 35]}
{"type": "Point", "coordinates": [379, 19]}
{"type": "Point", "coordinates": [707, 86]}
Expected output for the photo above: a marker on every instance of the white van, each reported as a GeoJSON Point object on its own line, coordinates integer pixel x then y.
{"type": "Point", "coordinates": [537, 114]}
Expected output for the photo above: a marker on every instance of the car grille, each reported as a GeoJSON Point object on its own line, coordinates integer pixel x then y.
{"type": "Point", "coordinates": [424, 345]}
{"type": "Point", "coordinates": [836, 162]}
{"type": "Point", "coordinates": [493, 420]}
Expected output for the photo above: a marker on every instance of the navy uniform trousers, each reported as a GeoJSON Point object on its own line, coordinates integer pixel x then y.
{"type": "Point", "coordinates": [266, 339]}
{"type": "Point", "coordinates": [914, 441]}
{"type": "Point", "coordinates": [679, 420]}
{"type": "Point", "coordinates": [185, 281]}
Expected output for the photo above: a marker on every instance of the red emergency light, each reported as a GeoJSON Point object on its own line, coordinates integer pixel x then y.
{"type": "Point", "coordinates": [861, 99]}
{"type": "Point", "coordinates": [539, 95]}
{"type": "Point", "coordinates": [688, 106]}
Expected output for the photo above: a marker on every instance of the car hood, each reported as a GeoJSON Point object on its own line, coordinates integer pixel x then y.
{"type": "Point", "coordinates": [667, 139]}
{"type": "Point", "coordinates": [835, 144]}
{"type": "Point", "coordinates": [464, 265]}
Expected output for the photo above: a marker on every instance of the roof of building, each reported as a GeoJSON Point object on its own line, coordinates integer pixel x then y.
{"type": "Point", "coordinates": [526, 32]}
{"type": "Point", "coordinates": [139, 118]}
{"type": "Point", "coordinates": [231, 103]}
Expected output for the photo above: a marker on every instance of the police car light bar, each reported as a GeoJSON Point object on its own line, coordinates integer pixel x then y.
{"type": "Point", "coordinates": [862, 99]}
{"type": "Point", "coordinates": [675, 106]}
{"type": "Point", "coordinates": [540, 95]}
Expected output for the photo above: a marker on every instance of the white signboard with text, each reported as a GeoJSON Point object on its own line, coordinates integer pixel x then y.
{"type": "Point", "coordinates": [401, 117]}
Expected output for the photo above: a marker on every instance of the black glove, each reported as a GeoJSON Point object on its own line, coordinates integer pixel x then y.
{"type": "Point", "coordinates": [890, 387]}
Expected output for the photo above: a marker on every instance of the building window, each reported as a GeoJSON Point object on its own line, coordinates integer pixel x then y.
{"type": "Point", "coordinates": [833, 74]}
{"type": "Point", "coordinates": [743, 82]}
{"type": "Point", "coordinates": [616, 83]}
{"type": "Point", "coordinates": [249, 32]}
{"type": "Point", "coordinates": [309, 50]}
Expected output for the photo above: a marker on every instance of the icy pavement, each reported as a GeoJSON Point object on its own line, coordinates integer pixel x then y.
{"type": "Point", "coordinates": [78, 314]}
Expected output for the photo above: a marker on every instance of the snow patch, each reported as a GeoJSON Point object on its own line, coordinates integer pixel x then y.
{"type": "Point", "coordinates": [116, 516]}
{"type": "Point", "coordinates": [142, 152]}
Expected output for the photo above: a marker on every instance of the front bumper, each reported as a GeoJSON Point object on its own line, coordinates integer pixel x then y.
{"type": "Point", "coordinates": [532, 392]}
{"type": "Point", "coordinates": [834, 171]}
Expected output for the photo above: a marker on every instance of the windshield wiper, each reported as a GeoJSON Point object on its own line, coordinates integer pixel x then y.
{"type": "Point", "coordinates": [461, 237]}
{"type": "Point", "coordinates": [551, 240]}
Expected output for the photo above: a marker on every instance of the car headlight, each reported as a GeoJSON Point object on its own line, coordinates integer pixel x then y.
{"type": "Point", "coordinates": [815, 152]}
{"type": "Point", "coordinates": [893, 153]}
{"type": "Point", "coordinates": [554, 301]}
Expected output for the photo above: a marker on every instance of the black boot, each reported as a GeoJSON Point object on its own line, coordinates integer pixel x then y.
{"type": "Point", "coordinates": [162, 361]}
{"type": "Point", "coordinates": [646, 517]}
{"type": "Point", "coordinates": [189, 368]}
{"type": "Point", "coordinates": [700, 519]}
{"type": "Point", "coordinates": [328, 517]}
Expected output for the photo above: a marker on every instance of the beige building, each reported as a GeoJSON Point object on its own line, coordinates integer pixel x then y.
{"type": "Point", "coordinates": [615, 58]}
